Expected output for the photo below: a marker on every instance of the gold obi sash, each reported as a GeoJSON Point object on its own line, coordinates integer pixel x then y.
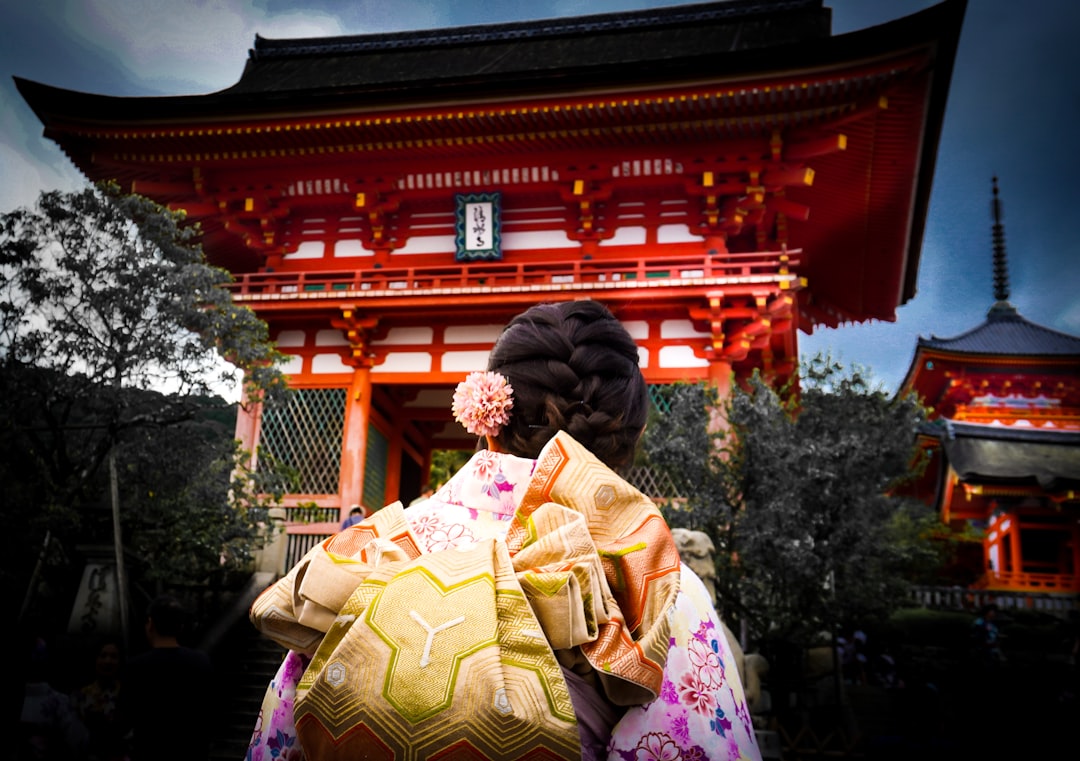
{"type": "Point", "coordinates": [419, 654]}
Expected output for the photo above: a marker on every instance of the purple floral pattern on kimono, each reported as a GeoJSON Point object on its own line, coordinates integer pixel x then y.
{"type": "Point", "coordinates": [701, 713]}
{"type": "Point", "coordinates": [274, 738]}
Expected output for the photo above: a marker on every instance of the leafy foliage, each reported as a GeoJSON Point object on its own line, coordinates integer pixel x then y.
{"type": "Point", "coordinates": [193, 510]}
{"type": "Point", "coordinates": [445, 463]}
{"type": "Point", "coordinates": [796, 492]}
{"type": "Point", "coordinates": [113, 328]}
{"type": "Point", "coordinates": [683, 443]}
{"type": "Point", "coordinates": [112, 288]}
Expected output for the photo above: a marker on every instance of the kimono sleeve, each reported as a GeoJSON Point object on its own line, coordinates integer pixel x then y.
{"type": "Point", "coordinates": [702, 710]}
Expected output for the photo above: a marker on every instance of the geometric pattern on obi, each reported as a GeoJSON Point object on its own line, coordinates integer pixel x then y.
{"type": "Point", "coordinates": [437, 657]}
{"type": "Point", "coordinates": [640, 564]}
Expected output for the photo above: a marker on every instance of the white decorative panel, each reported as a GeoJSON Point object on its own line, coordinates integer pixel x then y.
{"type": "Point", "coordinates": [347, 248]}
{"type": "Point", "coordinates": [293, 366]}
{"type": "Point", "coordinates": [521, 241]}
{"type": "Point", "coordinates": [638, 329]}
{"type": "Point", "coordinates": [534, 214]}
{"type": "Point", "coordinates": [676, 234]}
{"type": "Point", "coordinates": [418, 336]}
{"type": "Point", "coordinates": [331, 337]}
{"type": "Point", "coordinates": [404, 362]}
{"type": "Point", "coordinates": [290, 338]}
{"type": "Point", "coordinates": [329, 363]}
{"type": "Point", "coordinates": [427, 244]}
{"type": "Point", "coordinates": [464, 361]}
{"type": "Point", "coordinates": [680, 329]}
{"type": "Point", "coordinates": [643, 356]}
{"type": "Point", "coordinates": [627, 236]}
{"type": "Point", "coordinates": [680, 356]}
{"type": "Point", "coordinates": [471, 334]}
{"type": "Point", "coordinates": [311, 249]}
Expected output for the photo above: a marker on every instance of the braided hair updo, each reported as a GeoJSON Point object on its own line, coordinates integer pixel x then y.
{"type": "Point", "coordinates": [573, 367]}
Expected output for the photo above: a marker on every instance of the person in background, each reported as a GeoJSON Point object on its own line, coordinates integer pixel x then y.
{"type": "Point", "coordinates": [97, 704]}
{"type": "Point", "coordinates": [986, 637]}
{"type": "Point", "coordinates": [356, 514]}
{"type": "Point", "coordinates": [612, 619]}
{"type": "Point", "coordinates": [425, 493]}
{"type": "Point", "coordinates": [49, 727]}
{"type": "Point", "coordinates": [169, 695]}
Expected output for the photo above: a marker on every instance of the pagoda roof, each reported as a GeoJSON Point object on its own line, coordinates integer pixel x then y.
{"type": "Point", "coordinates": [1005, 332]}
{"type": "Point", "coordinates": [1004, 344]}
{"type": "Point", "coordinates": [1000, 455]}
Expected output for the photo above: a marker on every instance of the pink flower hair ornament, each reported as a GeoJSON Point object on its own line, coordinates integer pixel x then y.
{"type": "Point", "coordinates": [482, 403]}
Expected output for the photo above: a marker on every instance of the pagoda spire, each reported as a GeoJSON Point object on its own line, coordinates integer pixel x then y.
{"type": "Point", "coordinates": [1001, 262]}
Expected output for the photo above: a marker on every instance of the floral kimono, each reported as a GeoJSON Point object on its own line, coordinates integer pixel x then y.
{"type": "Point", "coordinates": [646, 671]}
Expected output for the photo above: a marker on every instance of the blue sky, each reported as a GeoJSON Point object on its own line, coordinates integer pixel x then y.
{"type": "Point", "coordinates": [1014, 104]}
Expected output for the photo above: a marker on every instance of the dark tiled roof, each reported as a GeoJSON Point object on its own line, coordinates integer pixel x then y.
{"type": "Point", "coordinates": [949, 430]}
{"type": "Point", "coordinates": [1005, 454]}
{"type": "Point", "coordinates": [530, 49]}
{"type": "Point", "coordinates": [730, 12]}
{"type": "Point", "coordinates": [1007, 333]}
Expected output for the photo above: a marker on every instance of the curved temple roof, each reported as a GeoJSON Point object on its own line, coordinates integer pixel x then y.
{"type": "Point", "coordinates": [1006, 332]}
{"type": "Point", "coordinates": [709, 74]}
{"type": "Point", "coordinates": [983, 454]}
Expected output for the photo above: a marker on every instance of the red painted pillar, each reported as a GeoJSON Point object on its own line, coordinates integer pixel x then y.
{"type": "Point", "coordinates": [354, 439]}
{"type": "Point", "coordinates": [721, 377]}
{"type": "Point", "coordinates": [1016, 555]}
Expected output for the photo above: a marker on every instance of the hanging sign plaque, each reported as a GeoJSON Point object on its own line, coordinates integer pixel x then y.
{"type": "Point", "coordinates": [478, 227]}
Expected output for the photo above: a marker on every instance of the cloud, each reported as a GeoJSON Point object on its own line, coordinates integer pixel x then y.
{"type": "Point", "coordinates": [28, 163]}
{"type": "Point", "coordinates": [1070, 318]}
{"type": "Point", "coordinates": [21, 172]}
{"type": "Point", "coordinates": [202, 44]}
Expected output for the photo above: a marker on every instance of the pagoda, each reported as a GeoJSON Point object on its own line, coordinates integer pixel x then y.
{"type": "Point", "coordinates": [722, 175]}
{"type": "Point", "coordinates": [1004, 440]}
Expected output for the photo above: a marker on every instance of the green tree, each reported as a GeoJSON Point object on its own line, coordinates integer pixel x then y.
{"type": "Point", "coordinates": [105, 297]}
{"type": "Point", "coordinates": [796, 493]}
{"type": "Point", "coordinates": [682, 443]}
{"type": "Point", "coordinates": [193, 509]}
{"type": "Point", "coordinates": [445, 463]}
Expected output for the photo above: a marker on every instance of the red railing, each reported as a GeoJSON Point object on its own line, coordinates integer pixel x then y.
{"type": "Point", "coordinates": [1030, 582]}
{"type": "Point", "coordinates": [605, 273]}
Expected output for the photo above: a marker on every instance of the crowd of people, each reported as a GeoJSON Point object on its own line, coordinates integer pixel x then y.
{"type": "Point", "coordinates": [153, 706]}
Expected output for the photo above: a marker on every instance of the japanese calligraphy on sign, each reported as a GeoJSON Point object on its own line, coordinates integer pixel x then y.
{"type": "Point", "coordinates": [478, 227]}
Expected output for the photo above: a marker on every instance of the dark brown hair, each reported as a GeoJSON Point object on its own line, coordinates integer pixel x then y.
{"type": "Point", "coordinates": [169, 615]}
{"type": "Point", "coordinates": [573, 367]}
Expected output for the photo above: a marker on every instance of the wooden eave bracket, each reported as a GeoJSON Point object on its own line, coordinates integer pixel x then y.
{"type": "Point", "coordinates": [822, 146]}
{"type": "Point", "coordinates": [378, 206]}
{"type": "Point", "coordinates": [735, 330]}
{"type": "Point", "coordinates": [732, 200]}
{"type": "Point", "coordinates": [587, 196]}
{"type": "Point", "coordinates": [357, 330]}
